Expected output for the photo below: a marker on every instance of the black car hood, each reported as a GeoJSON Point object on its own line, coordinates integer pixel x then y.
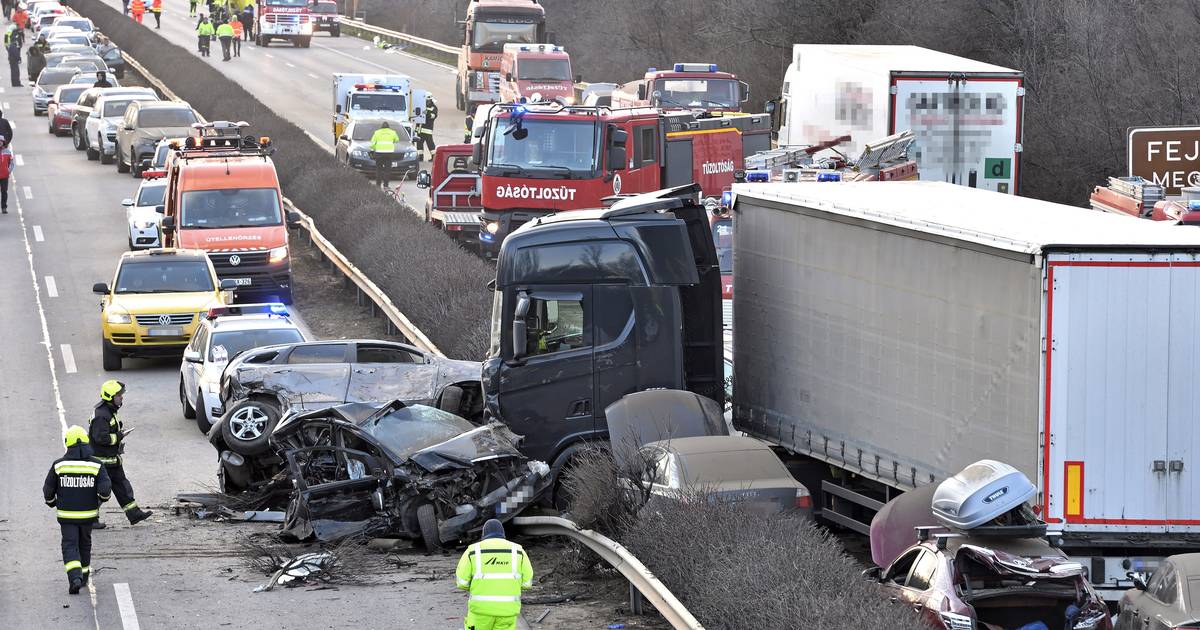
{"type": "Point", "coordinates": [492, 441]}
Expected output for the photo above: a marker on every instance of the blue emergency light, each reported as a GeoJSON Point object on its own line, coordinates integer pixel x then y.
{"type": "Point", "coordinates": [758, 176]}
{"type": "Point", "coordinates": [727, 199]}
{"type": "Point", "coordinates": [271, 308]}
{"type": "Point", "coordinates": [678, 67]}
{"type": "Point", "coordinates": [829, 177]}
{"type": "Point", "coordinates": [712, 67]}
{"type": "Point", "coordinates": [651, 69]}
{"type": "Point", "coordinates": [1193, 205]}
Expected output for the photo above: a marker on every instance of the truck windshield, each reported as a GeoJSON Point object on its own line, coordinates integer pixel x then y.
{"type": "Point", "coordinates": [724, 93]}
{"type": "Point", "coordinates": [174, 117]}
{"type": "Point", "coordinates": [379, 101]}
{"type": "Point", "coordinates": [325, 7]}
{"type": "Point", "coordinates": [164, 277]}
{"type": "Point", "coordinates": [544, 70]}
{"type": "Point", "coordinates": [230, 208]}
{"type": "Point", "coordinates": [492, 36]}
{"type": "Point", "coordinates": [227, 345]}
{"type": "Point", "coordinates": [723, 238]}
{"type": "Point", "coordinates": [549, 147]}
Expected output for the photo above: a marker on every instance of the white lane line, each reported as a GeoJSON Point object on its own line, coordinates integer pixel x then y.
{"type": "Point", "coordinates": [1, 90]}
{"type": "Point", "coordinates": [37, 234]}
{"type": "Point", "coordinates": [313, 75]}
{"type": "Point", "coordinates": [28, 192]}
{"type": "Point", "coordinates": [6, 105]}
{"type": "Point", "coordinates": [37, 298]}
{"type": "Point", "coordinates": [360, 60]}
{"type": "Point", "coordinates": [129, 620]}
{"type": "Point", "coordinates": [19, 159]}
{"type": "Point", "coordinates": [392, 52]}
{"type": "Point", "coordinates": [51, 287]}
{"type": "Point", "coordinates": [269, 55]}
{"type": "Point", "coordinates": [68, 358]}
{"type": "Point", "coordinates": [289, 64]}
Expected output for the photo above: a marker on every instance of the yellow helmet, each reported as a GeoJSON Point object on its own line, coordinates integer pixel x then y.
{"type": "Point", "coordinates": [110, 390]}
{"type": "Point", "coordinates": [75, 435]}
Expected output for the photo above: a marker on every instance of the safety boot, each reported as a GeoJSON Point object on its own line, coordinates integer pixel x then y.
{"type": "Point", "coordinates": [84, 579]}
{"type": "Point", "coordinates": [137, 515]}
{"type": "Point", "coordinates": [76, 584]}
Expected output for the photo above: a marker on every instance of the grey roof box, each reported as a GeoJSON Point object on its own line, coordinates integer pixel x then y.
{"type": "Point", "coordinates": [981, 493]}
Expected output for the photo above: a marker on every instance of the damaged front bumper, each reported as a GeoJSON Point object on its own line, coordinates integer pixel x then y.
{"type": "Point", "coordinates": [502, 503]}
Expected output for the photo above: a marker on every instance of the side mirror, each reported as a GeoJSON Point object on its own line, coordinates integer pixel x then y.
{"type": "Point", "coordinates": [145, 164]}
{"type": "Point", "coordinates": [579, 78]}
{"type": "Point", "coordinates": [423, 179]}
{"type": "Point", "coordinates": [641, 91]}
{"type": "Point", "coordinates": [51, 102]}
{"type": "Point", "coordinates": [519, 330]}
{"type": "Point", "coordinates": [874, 574]}
{"type": "Point", "coordinates": [337, 109]}
{"type": "Point", "coordinates": [293, 219]}
{"type": "Point", "coordinates": [167, 223]}
{"type": "Point", "coordinates": [344, 137]}
{"type": "Point", "coordinates": [160, 209]}
{"type": "Point", "coordinates": [745, 88]}
{"type": "Point", "coordinates": [1137, 581]}
{"type": "Point", "coordinates": [128, 127]}
{"type": "Point", "coordinates": [616, 158]}
{"type": "Point", "coordinates": [507, 77]}
{"type": "Point", "coordinates": [128, 203]}
{"type": "Point", "coordinates": [769, 106]}
{"type": "Point", "coordinates": [228, 284]}
{"type": "Point", "coordinates": [551, 38]}
{"type": "Point", "coordinates": [618, 138]}
{"type": "Point", "coordinates": [100, 288]}
{"type": "Point", "coordinates": [476, 154]}
{"type": "Point", "coordinates": [192, 356]}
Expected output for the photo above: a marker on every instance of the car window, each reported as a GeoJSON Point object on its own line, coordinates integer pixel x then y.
{"type": "Point", "coordinates": [69, 94]}
{"type": "Point", "coordinates": [229, 344]}
{"type": "Point", "coordinates": [322, 353]}
{"type": "Point", "coordinates": [1167, 589]}
{"type": "Point", "coordinates": [387, 354]}
{"type": "Point", "coordinates": [923, 571]}
{"type": "Point", "coordinates": [116, 107]}
{"type": "Point", "coordinates": [164, 277]}
{"type": "Point", "coordinates": [898, 572]}
{"type": "Point", "coordinates": [151, 195]}
{"type": "Point", "coordinates": [555, 325]}
{"type": "Point", "coordinates": [199, 340]}
{"type": "Point", "coordinates": [166, 117]}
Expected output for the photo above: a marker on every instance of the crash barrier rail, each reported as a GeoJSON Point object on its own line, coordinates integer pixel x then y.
{"type": "Point", "coordinates": [612, 552]}
{"type": "Point", "coordinates": [359, 28]}
{"type": "Point", "coordinates": [380, 302]}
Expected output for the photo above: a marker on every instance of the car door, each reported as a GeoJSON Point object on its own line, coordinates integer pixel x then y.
{"type": "Point", "coordinates": [910, 579]}
{"type": "Point", "coordinates": [384, 372]}
{"type": "Point", "coordinates": [191, 375]}
{"type": "Point", "coordinates": [342, 148]}
{"type": "Point", "coordinates": [311, 376]}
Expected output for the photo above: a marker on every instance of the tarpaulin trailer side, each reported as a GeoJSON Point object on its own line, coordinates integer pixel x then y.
{"type": "Point", "coordinates": [899, 331]}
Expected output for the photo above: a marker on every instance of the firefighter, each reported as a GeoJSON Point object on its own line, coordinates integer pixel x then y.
{"type": "Point", "coordinates": [383, 148]}
{"type": "Point", "coordinates": [107, 434]}
{"type": "Point", "coordinates": [75, 487]}
{"type": "Point", "coordinates": [494, 571]}
{"type": "Point", "coordinates": [425, 131]}
{"type": "Point", "coordinates": [204, 32]}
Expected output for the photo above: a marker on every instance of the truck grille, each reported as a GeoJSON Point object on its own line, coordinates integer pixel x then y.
{"type": "Point", "coordinates": [245, 259]}
{"type": "Point", "coordinates": [175, 319]}
{"type": "Point", "coordinates": [284, 18]}
{"type": "Point", "coordinates": [112, 136]}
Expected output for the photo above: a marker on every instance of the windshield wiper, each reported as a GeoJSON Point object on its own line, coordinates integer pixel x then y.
{"type": "Point", "coordinates": [516, 169]}
{"type": "Point", "coordinates": [565, 171]}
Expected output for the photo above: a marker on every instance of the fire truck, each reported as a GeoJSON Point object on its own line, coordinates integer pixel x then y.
{"type": "Point", "coordinates": [454, 198]}
{"type": "Point", "coordinates": [536, 159]}
{"type": "Point", "coordinates": [490, 25]}
{"type": "Point", "coordinates": [283, 19]}
{"type": "Point", "coordinates": [693, 86]}
{"type": "Point", "coordinates": [536, 72]}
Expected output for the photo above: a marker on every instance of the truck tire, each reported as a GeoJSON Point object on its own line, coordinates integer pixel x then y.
{"type": "Point", "coordinates": [121, 166]}
{"type": "Point", "coordinates": [247, 426]}
{"type": "Point", "coordinates": [110, 357]}
{"type": "Point", "coordinates": [305, 42]}
{"type": "Point", "coordinates": [336, 32]}
{"type": "Point", "coordinates": [259, 40]}
{"type": "Point", "coordinates": [451, 399]}
{"type": "Point", "coordinates": [189, 412]}
{"type": "Point", "coordinates": [427, 521]}
{"type": "Point", "coordinates": [459, 101]}
{"type": "Point", "coordinates": [202, 421]}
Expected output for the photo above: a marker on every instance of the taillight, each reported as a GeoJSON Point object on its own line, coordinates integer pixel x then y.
{"type": "Point", "coordinates": [803, 499]}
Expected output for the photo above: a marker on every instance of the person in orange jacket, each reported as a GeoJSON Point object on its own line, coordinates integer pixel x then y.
{"type": "Point", "coordinates": [20, 17]}
{"type": "Point", "coordinates": [156, 9]}
{"type": "Point", "coordinates": [137, 8]}
{"type": "Point", "coordinates": [238, 30]}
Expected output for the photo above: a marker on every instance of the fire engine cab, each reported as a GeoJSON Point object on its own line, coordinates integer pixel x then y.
{"type": "Point", "coordinates": [536, 72]}
{"type": "Point", "coordinates": [536, 159]}
{"type": "Point", "coordinates": [692, 86]}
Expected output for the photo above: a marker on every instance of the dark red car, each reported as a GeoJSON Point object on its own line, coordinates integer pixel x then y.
{"type": "Point", "coordinates": [61, 108]}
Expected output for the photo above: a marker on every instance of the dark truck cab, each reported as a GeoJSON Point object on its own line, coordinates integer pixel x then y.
{"type": "Point", "coordinates": [592, 305]}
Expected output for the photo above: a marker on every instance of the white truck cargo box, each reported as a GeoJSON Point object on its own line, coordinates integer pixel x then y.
{"type": "Point", "coordinates": [966, 114]}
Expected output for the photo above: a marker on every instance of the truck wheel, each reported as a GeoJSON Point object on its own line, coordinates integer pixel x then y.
{"type": "Point", "coordinates": [248, 425]}
{"type": "Point", "coordinates": [121, 166]}
{"type": "Point", "coordinates": [111, 358]}
{"type": "Point", "coordinates": [459, 101]}
{"type": "Point", "coordinates": [202, 421]}
{"type": "Point", "coordinates": [189, 412]}
{"type": "Point", "coordinates": [427, 521]}
{"type": "Point", "coordinates": [259, 41]}
{"type": "Point", "coordinates": [305, 42]}
{"type": "Point", "coordinates": [337, 32]}
{"type": "Point", "coordinates": [451, 399]}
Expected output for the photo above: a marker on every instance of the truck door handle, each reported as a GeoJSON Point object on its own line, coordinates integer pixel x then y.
{"type": "Point", "coordinates": [581, 407]}
{"type": "Point", "coordinates": [1159, 466]}
{"type": "Point", "coordinates": [1176, 465]}
{"type": "Point", "coordinates": [360, 371]}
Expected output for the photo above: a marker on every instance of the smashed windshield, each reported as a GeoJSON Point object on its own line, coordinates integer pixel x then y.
{"type": "Point", "coordinates": [231, 208]}
{"type": "Point", "coordinates": [698, 92]}
{"type": "Point", "coordinates": [164, 277]}
{"type": "Point", "coordinates": [560, 146]}
{"type": "Point", "coordinates": [408, 430]}
{"type": "Point", "coordinates": [492, 36]}
{"type": "Point", "coordinates": [544, 70]}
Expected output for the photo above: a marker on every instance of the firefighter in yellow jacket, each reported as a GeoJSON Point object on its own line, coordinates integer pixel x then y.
{"type": "Point", "coordinates": [494, 571]}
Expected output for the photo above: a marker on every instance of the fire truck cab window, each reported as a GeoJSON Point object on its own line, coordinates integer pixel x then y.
{"type": "Point", "coordinates": [647, 144]}
{"type": "Point", "coordinates": [555, 326]}
{"type": "Point", "coordinates": [544, 70]}
{"type": "Point", "coordinates": [551, 149]}
{"type": "Point", "coordinates": [492, 36]}
{"type": "Point", "coordinates": [698, 92]}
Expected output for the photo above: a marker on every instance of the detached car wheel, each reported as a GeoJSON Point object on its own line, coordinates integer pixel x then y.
{"type": "Point", "coordinates": [427, 521]}
{"type": "Point", "coordinates": [189, 412]}
{"type": "Point", "coordinates": [247, 426]}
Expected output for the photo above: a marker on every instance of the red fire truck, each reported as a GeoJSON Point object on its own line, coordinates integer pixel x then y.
{"type": "Point", "coordinates": [491, 24]}
{"type": "Point", "coordinates": [536, 159]}
{"type": "Point", "coordinates": [289, 20]}
{"type": "Point", "coordinates": [454, 199]}
{"type": "Point", "coordinates": [693, 86]}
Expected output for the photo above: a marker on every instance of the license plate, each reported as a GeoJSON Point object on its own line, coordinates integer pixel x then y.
{"type": "Point", "coordinates": [286, 30]}
{"type": "Point", "coordinates": [163, 331]}
{"type": "Point", "coordinates": [242, 282]}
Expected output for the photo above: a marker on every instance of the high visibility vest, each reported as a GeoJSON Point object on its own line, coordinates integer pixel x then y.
{"type": "Point", "coordinates": [156, 6]}
{"type": "Point", "coordinates": [225, 30]}
{"type": "Point", "coordinates": [384, 141]}
{"type": "Point", "coordinates": [494, 571]}
{"type": "Point", "coordinates": [206, 28]}
{"type": "Point", "coordinates": [137, 6]}
{"type": "Point", "coordinates": [237, 29]}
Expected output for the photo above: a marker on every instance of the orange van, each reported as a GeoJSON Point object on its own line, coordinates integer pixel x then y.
{"type": "Point", "coordinates": [223, 197]}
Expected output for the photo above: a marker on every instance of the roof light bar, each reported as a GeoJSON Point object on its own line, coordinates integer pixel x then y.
{"type": "Point", "coordinates": [267, 308]}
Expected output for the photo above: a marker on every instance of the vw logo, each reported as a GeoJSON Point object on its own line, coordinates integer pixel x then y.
{"type": "Point", "coordinates": [235, 260]}
{"type": "Point", "coordinates": [164, 320]}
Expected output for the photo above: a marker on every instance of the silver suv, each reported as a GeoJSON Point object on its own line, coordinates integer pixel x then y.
{"type": "Point", "coordinates": [144, 124]}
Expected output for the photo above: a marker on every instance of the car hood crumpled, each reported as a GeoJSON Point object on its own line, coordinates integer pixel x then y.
{"type": "Point", "coordinates": [1004, 563]}
{"type": "Point", "coordinates": [492, 441]}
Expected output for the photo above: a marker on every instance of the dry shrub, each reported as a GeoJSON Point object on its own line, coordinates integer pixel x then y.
{"type": "Point", "coordinates": [438, 285]}
{"type": "Point", "coordinates": [599, 499]}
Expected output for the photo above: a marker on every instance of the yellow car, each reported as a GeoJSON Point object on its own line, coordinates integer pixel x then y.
{"type": "Point", "coordinates": [155, 302]}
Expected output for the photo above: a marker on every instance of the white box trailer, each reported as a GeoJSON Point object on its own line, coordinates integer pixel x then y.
{"type": "Point", "coordinates": [891, 333]}
{"type": "Point", "coordinates": [966, 114]}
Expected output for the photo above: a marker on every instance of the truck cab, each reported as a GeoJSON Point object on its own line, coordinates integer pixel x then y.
{"type": "Point", "coordinates": [223, 198]}
{"type": "Point", "coordinates": [691, 86]}
{"type": "Point", "coordinates": [388, 97]}
{"type": "Point", "coordinates": [454, 198]}
{"type": "Point", "coordinates": [540, 72]}
{"type": "Point", "coordinates": [289, 20]}
{"type": "Point", "coordinates": [593, 305]}
{"type": "Point", "coordinates": [489, 26]}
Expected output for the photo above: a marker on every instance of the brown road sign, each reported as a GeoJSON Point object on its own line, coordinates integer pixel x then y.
{"type": "Point", "coordinates": [1167, 156]}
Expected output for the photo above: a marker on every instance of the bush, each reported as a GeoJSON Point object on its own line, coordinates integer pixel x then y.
{"type": "Point", "coordinates": [439, 286]}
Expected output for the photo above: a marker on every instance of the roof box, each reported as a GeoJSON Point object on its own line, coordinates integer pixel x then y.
{"type": "Point", "coordinates": [981, 493]}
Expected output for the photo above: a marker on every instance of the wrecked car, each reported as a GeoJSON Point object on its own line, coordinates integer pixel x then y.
{"type": "Point", "coordinates": [260, 385]}
{"type": "Point", "coordinates": [981, 559]}
{"type": "Point", "coordinates": [1169, 601]}
{"type": "Point", "coordinates": [411, 471]}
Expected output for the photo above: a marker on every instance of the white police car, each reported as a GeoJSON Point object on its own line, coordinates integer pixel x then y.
{"type": "Point", "coordinates": [223, 333]}
{"type": "Point", "coordinates": [141, 212]}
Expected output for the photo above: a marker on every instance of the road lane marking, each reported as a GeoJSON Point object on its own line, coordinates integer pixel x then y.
{"type": "Point", "coordinates": [269, 55]}
{"type": "Point", "coordinates": [51, 287]}
{"type": "Point", "coordinates": [313, 75]}
{"type": "Point", "coordinates": [129, 620]}
{"type": "Point", "coordinates": [6, 105]}
{"type": "Point", "coordinates": [19, 159]}
{"type": "Point", "coordinates": [37, 298]}
{"type": "Point", "coordinates": [360, 60]}
{"type": "Point", "coordinates": [28, 192]}
{"type": "Point", "coordinates": [37, 234]}
{"type": "Point", "coordinates": [289, 64]}
{"type": "Point", "coordinates": [68, 358]}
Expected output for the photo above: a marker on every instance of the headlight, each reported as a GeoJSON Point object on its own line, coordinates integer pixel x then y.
{"type": "Point", "coordinates": [279, 254]}
{"type": "Point", "coordinates": [114, 317]}
{"type": "Point", "coordinates": [359, 153]}
{"type": "Point", "coordinates": [492, 227]}
{"type": "Point", "coordinates": [410, 152]}
{"type": "Point", "coordinates": [144, 225]}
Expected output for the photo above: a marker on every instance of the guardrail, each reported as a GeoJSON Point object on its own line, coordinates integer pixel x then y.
{"type": "Point", "coordinates": [358, 28]}
{"type": "Point", "coordinates": [619, 557]}
{"type": "Point", "coordinates": [380, 302]}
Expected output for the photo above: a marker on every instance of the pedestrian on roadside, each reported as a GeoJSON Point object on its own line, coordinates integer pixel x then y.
{"type": "Point", "coordinates": [6, 169]}
{"type": "Point", "coordinates": [205, 33]}
{"type": "Point", "coordinates": [6, 130]}
{"type": "Point", "coordinates": [14, 60]}
{"type": "Point", "coordinates": [237, 34]}
{"type": "Point", "coordinates": [75, 487]}
{"type": "Point", "coordinates": [36, 61]}
{"type": "Point", "coordinates": [20, 17]}
{"type": "Point", "coordinates": [225, 34]}
{"type": "Point", "coordinates": [107, 436]}
{"type": "Point", "coordinates": [248, 20]}
{"type": "Point", "coordinates": [495, 582]}
{"type": "Point", "coordinates": [382, 150]}
{"type": "Point", "coordinates": [156, 9]}
{"type": "Point", "coordinates": [101, 80]}
{"type": "Point", "coordinates": [137, 8]}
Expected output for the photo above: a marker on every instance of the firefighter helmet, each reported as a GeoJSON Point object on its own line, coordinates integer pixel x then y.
{"type": "Point", "coordinates": [111, 389]}
{"type": "Point", "coordinates": [75, 435]}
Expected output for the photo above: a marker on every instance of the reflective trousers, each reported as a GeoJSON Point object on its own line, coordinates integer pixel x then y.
{"type": "Point", "coordinates": [476, 621]}
{"type": "Point", "coordinates": [76, 548]}
{"type": "Point", "coordinates": [121, 488]}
